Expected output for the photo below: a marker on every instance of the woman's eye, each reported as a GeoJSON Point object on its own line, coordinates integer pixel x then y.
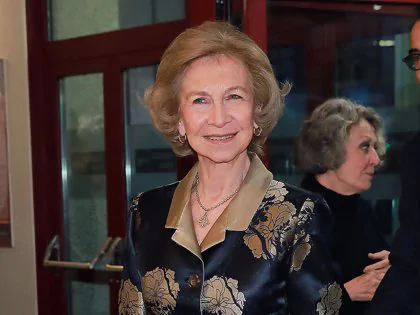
{"type": "Point", "coordinates": [365, 146]}
{"type": "Point", "coordinates": [234, 97]}
{"type": "Point", "coordinates": [199, 100]}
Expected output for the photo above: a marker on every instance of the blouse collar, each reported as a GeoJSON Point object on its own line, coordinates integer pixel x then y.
{"type": "Point", "coordinates": [236, 217]}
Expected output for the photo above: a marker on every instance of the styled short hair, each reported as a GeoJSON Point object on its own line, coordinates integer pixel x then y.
{"type": "Point", "coordinates": [321, 144]}
{"type": "Point", "coordinates": [214, 39]}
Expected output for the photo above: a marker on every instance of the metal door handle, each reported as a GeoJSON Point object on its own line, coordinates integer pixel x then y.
{"type": "Point", "coordinates": [54, 245]}
{"type": "Point", "coordinates": [111, 253]}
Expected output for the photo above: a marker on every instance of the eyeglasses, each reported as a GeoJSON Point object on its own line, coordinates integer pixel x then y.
{"type": "Point", "coordinates": [412, 60]}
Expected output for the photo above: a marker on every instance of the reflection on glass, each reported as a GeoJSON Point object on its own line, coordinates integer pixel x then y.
{"type": "Point", "coordinates": [69, 19]}
{"type": "Point", "coordinates": [150, 161]}
{"type": "Point", "coordinates": [84, 180]}
{"type": "Point", "coordinates": [353, 52]}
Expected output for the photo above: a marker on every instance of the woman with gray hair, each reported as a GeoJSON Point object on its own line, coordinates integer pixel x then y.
{"type": "Point", "coordinates": [340, 146]}
{"type": "Point", "coordinates": [228, 238]}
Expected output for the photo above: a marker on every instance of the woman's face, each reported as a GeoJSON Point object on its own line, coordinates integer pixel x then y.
{"type": "Point", "coordinates": [356, 173]}
{"type": "Point", "coordinates": [216, 108]}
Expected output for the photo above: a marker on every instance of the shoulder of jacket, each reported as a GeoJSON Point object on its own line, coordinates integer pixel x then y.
{"type": "Point", "coordinates": [293, 193]}
{"type": "Point", "coordinates": [152, 195]}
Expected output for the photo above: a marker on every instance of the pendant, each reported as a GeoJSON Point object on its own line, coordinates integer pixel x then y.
{"type": "Point", "coordinates": [204, 220]}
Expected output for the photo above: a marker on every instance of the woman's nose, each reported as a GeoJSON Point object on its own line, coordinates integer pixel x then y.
{"type": "Point", "coordinates": [375, 157]}
{"type": "Point", "coordinates": [219, 115]}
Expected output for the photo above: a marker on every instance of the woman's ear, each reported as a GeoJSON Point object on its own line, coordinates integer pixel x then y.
{"type": "Point", "coordinates": [181, 127]}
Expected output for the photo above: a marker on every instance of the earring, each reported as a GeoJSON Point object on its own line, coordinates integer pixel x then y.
{"type": "Point", "coordinates": [257, 131]}
{"type": "Point", "coordinates": [182, 139]}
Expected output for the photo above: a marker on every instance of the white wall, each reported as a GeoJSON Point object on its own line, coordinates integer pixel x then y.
{"type": "Point", "coordinates": [17, 264]}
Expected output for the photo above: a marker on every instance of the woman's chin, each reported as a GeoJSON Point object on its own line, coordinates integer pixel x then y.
{"type": "Point", "coordinates": [221, 156]}
{"type": "Point", "coordinates": [365, 187]}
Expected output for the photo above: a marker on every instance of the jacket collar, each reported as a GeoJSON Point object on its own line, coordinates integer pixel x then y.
{"type": "Point", "coordinates": [236, 217]}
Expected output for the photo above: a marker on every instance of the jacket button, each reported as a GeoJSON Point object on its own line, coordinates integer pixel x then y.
{"type": "Point", "coordinates": [193, 280]}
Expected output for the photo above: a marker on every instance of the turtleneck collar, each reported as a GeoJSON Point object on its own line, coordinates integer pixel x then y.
{"type": "Point", "coordinates": [335, 200]}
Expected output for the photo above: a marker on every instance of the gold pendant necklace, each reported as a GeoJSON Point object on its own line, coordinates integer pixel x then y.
{"type": "Point", "coordinates": [204, 220]}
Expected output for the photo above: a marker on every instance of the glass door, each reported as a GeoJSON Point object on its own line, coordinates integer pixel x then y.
{"type": "Point", "coordinates": [84, 182]}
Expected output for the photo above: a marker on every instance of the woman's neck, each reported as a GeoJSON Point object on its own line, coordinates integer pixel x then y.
{"type": "Point", "coordinates": [331, 181]}
{"type": "Point", "coordinates": [216, 180]}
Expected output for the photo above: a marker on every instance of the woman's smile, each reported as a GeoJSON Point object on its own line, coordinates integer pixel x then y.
{"type": "Point", "coordinates": [221, 138]}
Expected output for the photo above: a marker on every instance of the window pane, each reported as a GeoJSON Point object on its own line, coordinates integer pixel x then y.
{"type": "Point", "coordinates": [354, 52]}
{"type": "Point", "coordinates": [69, 19]}
{"type": "Point", "coordinates": [84, 183]}
{"type": "Point", "coordinates": [150, 159]}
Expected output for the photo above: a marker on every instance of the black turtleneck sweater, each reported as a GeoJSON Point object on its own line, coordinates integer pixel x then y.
{"type": "Point", "coordinates": [355, 235]}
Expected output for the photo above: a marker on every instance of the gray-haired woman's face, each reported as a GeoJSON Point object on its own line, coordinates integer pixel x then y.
{"type": "Point", "coordinates": [356, 173]}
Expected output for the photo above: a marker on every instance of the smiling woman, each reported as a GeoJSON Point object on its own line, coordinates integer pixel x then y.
{"type": "Point", "coordinates": [202, 242]}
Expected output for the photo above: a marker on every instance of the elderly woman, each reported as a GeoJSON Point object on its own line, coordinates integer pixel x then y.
{"type": "Point", "coordinates": [227, 239]}
{"type": "Point", "coordinates": [339, 147]}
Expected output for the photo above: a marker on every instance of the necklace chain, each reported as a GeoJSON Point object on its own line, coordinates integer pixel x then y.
{"type": "Point", "coordinates": [204, 220]}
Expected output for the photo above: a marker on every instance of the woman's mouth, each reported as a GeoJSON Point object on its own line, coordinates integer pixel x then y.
{"type": "Point", "coordinates": [221, 137]}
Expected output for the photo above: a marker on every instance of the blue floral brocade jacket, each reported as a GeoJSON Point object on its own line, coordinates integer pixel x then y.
{"type": "Point", "coordinates": [268, 253]}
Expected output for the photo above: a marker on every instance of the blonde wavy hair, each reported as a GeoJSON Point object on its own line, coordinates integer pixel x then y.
{"type": "Point", "coordinates": [213, 39]}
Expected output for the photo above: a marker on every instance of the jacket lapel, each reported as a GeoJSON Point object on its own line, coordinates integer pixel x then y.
{"type": "Point", "coordinates": [180, 217]}
{"type": "Point", "coordinates": [240, 211]}
{"type": "Point", "coordinates": [236, 217]}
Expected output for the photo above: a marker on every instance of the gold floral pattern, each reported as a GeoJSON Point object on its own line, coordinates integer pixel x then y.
{"type": "Point", "coordinates": [160, 290]}
{"type": "Point", "coordinates": [306, 212]}
{"type": "Point", "coordinates": [302, 249]}
{"type": "Point", "coordinates": [277, 190]}
{"type": "Point", "coordinates": [221, 296]}
{"type": "Point", "coordinates": [302, 242]}
{"type": "Point", "coordinates": [130, 299]}
{"type": "Point", "coordinates": [330, 302]}
{"type": "Point", "coordinates": [270, 235]}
